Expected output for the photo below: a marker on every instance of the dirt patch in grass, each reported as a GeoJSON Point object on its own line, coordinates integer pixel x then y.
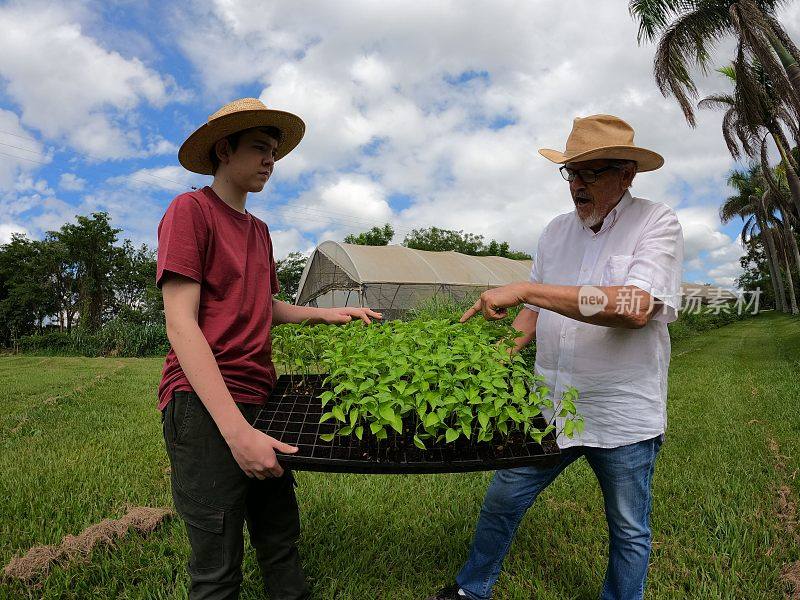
{"type": "Point", "coordinates": [786, 511]}
{"type": "Point", "coordinates": [38, 561]}
{"type": "Point", "coordinates": [790, 575]}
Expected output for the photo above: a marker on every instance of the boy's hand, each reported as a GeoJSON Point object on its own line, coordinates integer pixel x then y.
{"type": "Point", "coordinates": [345, 314]}
{"type": "Point", "coordinates": [254, 452]}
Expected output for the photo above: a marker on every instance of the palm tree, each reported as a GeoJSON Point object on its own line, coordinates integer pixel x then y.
{"type": "Point", "coordinates": [747, 118]}
{"type": "Point", "coordinates": [751, 112]}
{"type": "Point", "coordinates": [778, 198]}
{"type": "Point", "coordinates": [749, 205]}
{"type": "Point", "coordinates": [690, 28]}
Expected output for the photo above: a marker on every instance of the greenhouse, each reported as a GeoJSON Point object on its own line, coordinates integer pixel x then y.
{"type": "Point", "coordinates": [394, 279]}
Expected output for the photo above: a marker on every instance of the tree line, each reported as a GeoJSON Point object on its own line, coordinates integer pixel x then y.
{"type": "Point", "coordinates": [78, 276]}
{"type": "Point", "coordinates": [82, 276]}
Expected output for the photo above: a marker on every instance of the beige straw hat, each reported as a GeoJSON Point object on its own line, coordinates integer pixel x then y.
{"type": "Point", "coordinates": [236, 116]}
{"type": "Point", "coordinates": [603, 136]}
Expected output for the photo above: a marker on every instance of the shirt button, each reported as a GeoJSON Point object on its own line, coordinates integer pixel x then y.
{"type": "Point", "coordinates": [563, 336]}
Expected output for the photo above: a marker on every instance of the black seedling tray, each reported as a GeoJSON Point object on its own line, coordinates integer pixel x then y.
{"type": "Point", "coordinates": [292, 415]}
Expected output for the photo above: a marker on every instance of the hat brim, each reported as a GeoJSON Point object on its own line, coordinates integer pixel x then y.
{"type": "Point", "coordinates": [646, 160]}
{"type": "Point", "coordinates": [194, 152]}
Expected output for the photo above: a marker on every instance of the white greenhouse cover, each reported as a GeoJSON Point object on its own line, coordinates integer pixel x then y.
{"type": "Point", "coordinates": [396, 278]}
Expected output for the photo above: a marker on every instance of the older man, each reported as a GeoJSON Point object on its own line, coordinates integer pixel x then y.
{"type": "Point", "coordinates": [604, 285]}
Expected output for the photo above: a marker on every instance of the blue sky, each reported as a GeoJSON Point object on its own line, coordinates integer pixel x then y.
{"type": "Point", "coordinates": [418, 114]}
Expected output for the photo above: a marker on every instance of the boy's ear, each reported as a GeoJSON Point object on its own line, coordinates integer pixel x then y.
{"type": "Point", "coordinates": [223, 149]}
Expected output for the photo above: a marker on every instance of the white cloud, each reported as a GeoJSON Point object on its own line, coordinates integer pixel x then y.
{"type": "Point", "coordinates": [452, 115]}
{"type": "Point", "coordinates": [26, 183]}
{"type": "Point", "coordinates": [6, 229]}
{"type": "Point", "coordinates": [68, 86]}
{"type": "Point", "coordinates": [336, 206]}
{"type": "Point", "coordinates": [169, 178]}
{"type": "Point", "coordinates": [701, 231]}
{"type": "Point", "coordinates": [71, 182]}
{"type": "Point", "coordinates": [285, 241]}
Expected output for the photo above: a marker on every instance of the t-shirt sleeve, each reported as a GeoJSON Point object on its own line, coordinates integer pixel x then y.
{"type": "Point", "coordinates": [657, 265]}
{"type": "Point", "coordinates": [274, 283]}
{"type": "Point", "coordinates": [182, 240]}
{"type": "Point", "coordinates": [536, 268]}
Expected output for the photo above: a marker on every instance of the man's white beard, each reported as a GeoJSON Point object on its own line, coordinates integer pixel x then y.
{"type": "Point", "coordinates": [592, 219]}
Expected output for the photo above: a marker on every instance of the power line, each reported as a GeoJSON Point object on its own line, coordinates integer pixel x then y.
{"type": "Point", "coordinates": [140, 172]}
{"type": "Point", "coordinates": [23, 149]}
{"type": "Point", "coordinates": [22, 137]}
{"type": "Point", "coordinates": [38, 162]}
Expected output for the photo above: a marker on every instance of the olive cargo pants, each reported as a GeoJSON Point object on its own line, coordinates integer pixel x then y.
{"type": "Point", "coordinates": [215, 498]}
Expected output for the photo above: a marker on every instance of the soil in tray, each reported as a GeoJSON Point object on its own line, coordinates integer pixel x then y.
{"type": "Point", "coordinates": [293, 416]}
{"type": "Point", "coordinates": [400, 448]}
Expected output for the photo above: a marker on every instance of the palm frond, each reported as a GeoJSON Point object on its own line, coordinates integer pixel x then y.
{"type": "Point", "coordinates": [786, 117]}
{"type": "Point", "coordinates": [749, 229]}
{"type": "Point", "coordinates": [754, 32]}
{"type": "Point", "coordinates": [729, 132]}
{"type": "Point", "coordinates": [750, 93]}
{"type": "Point", "coordinates": [653, 16]}
{"type": "Point", "coordinates": [729, 71]}
{"type": "Point", "coordinates": [716, 101]}
{"type": "Point", "coordinates": [689, 39]}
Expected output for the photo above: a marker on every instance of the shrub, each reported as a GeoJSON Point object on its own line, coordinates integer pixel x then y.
{"type": "Point", "coordinates": [116, 338]}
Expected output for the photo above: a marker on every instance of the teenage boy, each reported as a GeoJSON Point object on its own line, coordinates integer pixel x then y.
{"type": "Point", "coordinates": [216, 270]}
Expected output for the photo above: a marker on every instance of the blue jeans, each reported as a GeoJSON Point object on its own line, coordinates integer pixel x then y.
{"type": "Point", "coordinates": [625, 475]}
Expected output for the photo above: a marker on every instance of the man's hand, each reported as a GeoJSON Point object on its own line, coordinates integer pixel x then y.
{"type": "Point", "coordinates": [254, 452]}
{"type": "Point", "coordinates": [494, 304]}
{"type": "Point", "coordinates": [340, 316]}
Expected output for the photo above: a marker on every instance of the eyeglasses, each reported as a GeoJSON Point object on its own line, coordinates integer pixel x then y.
{"type": "Point", "coordinates": [586, 175]}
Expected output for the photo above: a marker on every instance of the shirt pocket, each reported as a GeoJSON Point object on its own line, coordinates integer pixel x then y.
{"type": "Point", "coordinates": [616, 268]}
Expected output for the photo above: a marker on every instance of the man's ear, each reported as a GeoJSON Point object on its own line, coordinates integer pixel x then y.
{"type": "Point", "coordinates": [627, 177]}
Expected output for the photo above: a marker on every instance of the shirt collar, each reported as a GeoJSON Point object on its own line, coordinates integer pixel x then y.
{"type": "Point", "coordinates": [611, 218]}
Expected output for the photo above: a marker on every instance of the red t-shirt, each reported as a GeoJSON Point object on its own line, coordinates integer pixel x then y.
{"type": "Point", "coordinates": [230, 255]}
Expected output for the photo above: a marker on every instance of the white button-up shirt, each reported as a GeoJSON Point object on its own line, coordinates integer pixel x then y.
{"type": "Point", "coordinates": [620, 374]}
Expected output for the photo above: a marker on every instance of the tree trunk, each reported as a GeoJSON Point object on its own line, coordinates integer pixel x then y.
{"type": "Point", "coordinates": [793, 71]}
{"type": "Point", "coordinates": [790, 243]}
{"type": "Point", "coordinates": [787, 60]}
{"type": "Point", "coordinates": [774, 265]}
{"type": "Point", "coordinates": [791, 173]}
{"type": "Point", "coordinates": [790, 282]}
{"type": "Point", "coordinates": [795, 250]}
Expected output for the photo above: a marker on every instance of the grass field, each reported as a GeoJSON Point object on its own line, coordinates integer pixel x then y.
{"type": "Point", "coordinates": [81, 441]}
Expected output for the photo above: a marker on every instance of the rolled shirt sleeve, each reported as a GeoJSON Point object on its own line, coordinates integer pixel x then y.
{"type": "Point", "coordinates": [657, 263]}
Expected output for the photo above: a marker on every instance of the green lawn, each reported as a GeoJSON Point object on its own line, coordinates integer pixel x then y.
{"type": "Point", "coordinates": [81, 440]}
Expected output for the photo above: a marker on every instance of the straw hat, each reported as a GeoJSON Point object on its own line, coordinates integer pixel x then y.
{"type": "Point", "coordinates": [236, 116]}
{"type": "Point", "coordinates": [603, 136]}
